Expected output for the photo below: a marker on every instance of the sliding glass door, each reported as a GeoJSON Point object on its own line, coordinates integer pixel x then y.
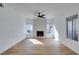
{"type": "Point", "coordinates": [71, 28]}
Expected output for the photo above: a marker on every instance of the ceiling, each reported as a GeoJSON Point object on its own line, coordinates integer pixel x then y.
{"type": "Point", "coordinates": [51, 10]}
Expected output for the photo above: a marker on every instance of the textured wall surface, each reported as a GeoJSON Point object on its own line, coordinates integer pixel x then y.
{"type": "Point", "coordinates": [39, 25]}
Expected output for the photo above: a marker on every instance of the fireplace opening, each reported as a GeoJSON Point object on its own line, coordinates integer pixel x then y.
{"type": "Point", "coordinates": [40, 33]}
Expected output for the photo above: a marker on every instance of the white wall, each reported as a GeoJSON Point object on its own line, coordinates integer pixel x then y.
{"type": "Point", "coordinates": [60, 23]}
{"type": "Point", "coordinates": [39, 25]}
{"type": "Point", "coordinates": [11, 28]}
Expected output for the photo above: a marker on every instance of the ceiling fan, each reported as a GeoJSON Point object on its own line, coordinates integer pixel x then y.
{"type": "Point", "coordinates": [39, 14]}
{"type": "Point", "coordinates": [1, 5]}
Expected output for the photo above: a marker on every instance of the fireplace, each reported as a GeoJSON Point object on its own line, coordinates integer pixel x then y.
{"type": "Point", "coordinates": [40, 33]}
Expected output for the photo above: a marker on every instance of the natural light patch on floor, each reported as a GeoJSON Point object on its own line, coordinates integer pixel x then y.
{"type": "Point", "coordinates": [35, 41]}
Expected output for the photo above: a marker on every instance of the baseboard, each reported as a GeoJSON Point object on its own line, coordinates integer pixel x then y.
{"type": "Point", "coordinates": [70, 47]}
{"type": "Point", "coordinates": [13, 44]}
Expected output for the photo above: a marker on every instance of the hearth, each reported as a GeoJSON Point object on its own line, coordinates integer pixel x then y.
{"type": "Point", "coordinates": [40, 33]}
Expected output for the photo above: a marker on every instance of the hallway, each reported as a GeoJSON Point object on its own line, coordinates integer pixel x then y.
{"type": "Point", "coordinates": [39, 47]}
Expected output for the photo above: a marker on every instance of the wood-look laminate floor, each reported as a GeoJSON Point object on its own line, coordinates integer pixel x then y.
{"type": "Point", "coordinates": [46, 47]}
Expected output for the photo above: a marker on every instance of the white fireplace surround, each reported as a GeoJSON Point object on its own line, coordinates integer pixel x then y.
{"type": "Point", "coordinates": [39, 24]}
